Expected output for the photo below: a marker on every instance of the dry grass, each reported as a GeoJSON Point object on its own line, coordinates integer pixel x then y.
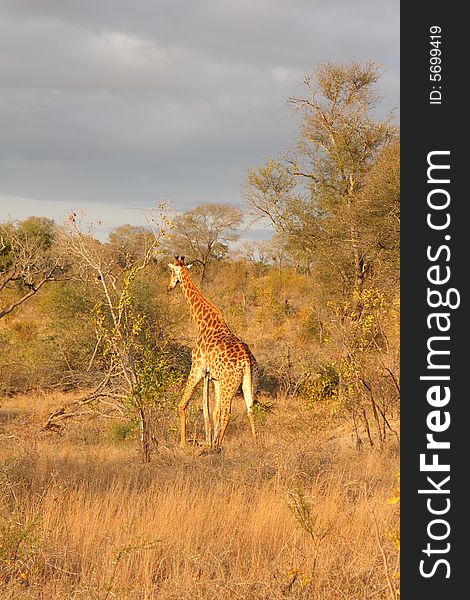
{"type": "Point", "coordinates": [81, 518]}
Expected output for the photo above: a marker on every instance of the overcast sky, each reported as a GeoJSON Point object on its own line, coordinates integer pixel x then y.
{"type": "Point", "coordinates": [113, 105]}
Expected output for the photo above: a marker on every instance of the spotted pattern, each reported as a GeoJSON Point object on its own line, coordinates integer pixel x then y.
{"type": "Point", "coordinates": [227, 358]}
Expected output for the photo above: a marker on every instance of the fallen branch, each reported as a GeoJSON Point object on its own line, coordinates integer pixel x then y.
{"type": "Point", "coordinates": [72, 409]}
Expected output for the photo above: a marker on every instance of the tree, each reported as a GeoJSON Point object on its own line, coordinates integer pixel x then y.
{"type": "Point", "coordinates": [269, 192]}
{"type": "Point", "coordinates": [272, 194]}
{"type": "Point", "coordinates": [339, 142]}
{"type": "Point", "coordinates": [27, 260]}
{"type": "Point", "coordinates": [137, 371]}
{"type": "Point", "coordinates": [204, 233]}
{"type": "Point", "coordinates": [128, 242]}
{"type": "Point", "coordinates": [378, 219]}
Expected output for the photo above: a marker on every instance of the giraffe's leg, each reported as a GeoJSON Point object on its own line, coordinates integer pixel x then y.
{"type": "Point", "coordinates": [205, 409]}
{"type": "Point", "coordinates": [224, 419]}
{"type": "Point", "coordinates": [226, 392]}
{"type": "Point", "coordinates": [196, 374]}
{"type": "Point", "coordinates": [216, 413]}
{"type": "Point", "coordinates": [247, 387]}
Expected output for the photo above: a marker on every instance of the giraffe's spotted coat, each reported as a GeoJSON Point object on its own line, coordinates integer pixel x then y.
{"type": "Point", "coordinates": [228, 359]}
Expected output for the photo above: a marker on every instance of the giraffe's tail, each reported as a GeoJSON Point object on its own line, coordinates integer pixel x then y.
{"type": "Point", "coordinates": [250, 387]}
{"type": "Point", "coordinates": [251, 374]}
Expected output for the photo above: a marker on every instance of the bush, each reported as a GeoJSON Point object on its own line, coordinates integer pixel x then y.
{"type": "Point", "coordinates": [324, 386]}
{"type": "Point", "coordinates": [122, 431]}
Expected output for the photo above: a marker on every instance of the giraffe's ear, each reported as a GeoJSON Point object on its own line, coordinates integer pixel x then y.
{"type": "Point", "coordinates": [189, 266]}
{"type": "Point", "coordinates": [172, 267]}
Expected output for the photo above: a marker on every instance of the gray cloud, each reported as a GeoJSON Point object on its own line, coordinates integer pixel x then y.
{"type": "Point", "coordinates": [124, 103]}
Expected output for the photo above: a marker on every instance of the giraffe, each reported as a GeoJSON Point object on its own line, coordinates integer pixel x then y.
{"type": "Point", "coordinates": [219, 352]}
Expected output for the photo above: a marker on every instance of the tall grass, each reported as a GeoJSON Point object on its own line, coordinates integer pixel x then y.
{"type": "Point", "coordinates": [295, 517]}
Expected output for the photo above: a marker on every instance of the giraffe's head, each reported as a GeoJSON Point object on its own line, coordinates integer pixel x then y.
{"type": "Point", "coordinates": [176, 269]}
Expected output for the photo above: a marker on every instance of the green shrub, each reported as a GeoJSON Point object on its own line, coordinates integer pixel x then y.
{"type": "Point", "coordinates": [122, 431]}
{"type": "Point", "coordinates": [261, 409]}
{"type": "Point", "coordinates": [324, 386]}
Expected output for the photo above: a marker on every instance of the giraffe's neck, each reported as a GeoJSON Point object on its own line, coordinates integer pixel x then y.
{"type": "Point", "coordinates": [202, 311]}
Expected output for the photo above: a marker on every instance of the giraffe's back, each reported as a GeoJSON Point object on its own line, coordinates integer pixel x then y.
{"type": "Point", "coordinates": [226, 353]}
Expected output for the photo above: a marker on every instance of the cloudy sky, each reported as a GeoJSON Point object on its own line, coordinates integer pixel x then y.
{"type": "Point", "coordinates": [113, 105]}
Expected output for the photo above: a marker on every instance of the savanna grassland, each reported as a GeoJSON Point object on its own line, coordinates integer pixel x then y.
{"type": "Point", "coordinates": [303, 515]}
{"type": "Point", "coordinates": [97, 499]}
